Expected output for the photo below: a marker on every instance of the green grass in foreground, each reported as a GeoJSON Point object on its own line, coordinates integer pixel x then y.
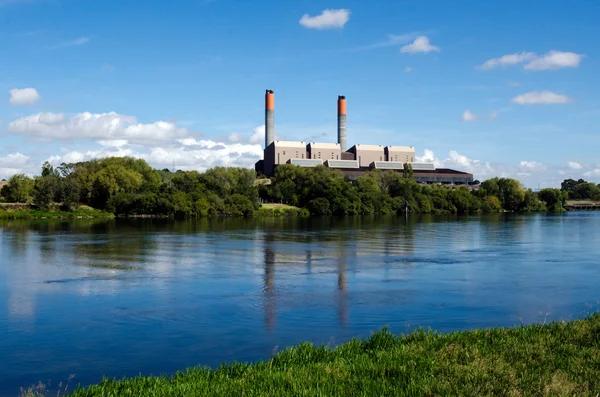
{"type": "Point", "coordinates": [38, 214]}
{"type": "Point", "coordinates": [555, 359]}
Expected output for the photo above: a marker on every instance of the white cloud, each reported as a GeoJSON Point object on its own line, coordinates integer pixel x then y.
{"type": "Point", "coordinates": [113, 142]}
{"type": "Point", "coordinates": [468, 116]}
{"type": "Point", "coordinates": [549, 61]}
{"type": "Point", "coordinates": [507, 60]}
{"type": "Point", "coordinates": [555, 60]}
{"type": "Point", "coordinates": [561, 172]}
{"type": "Point", "coordinates": [514, 84]}
{"type": "Point", "coordinates": [258, 135]}
{"type": "Point", "coordinates": [234, 137]}
{"type": "Point", "coordinates": [14, 160]}
{"type": "Point", "coordinates": [421, 44]}
{"type": "Point", "coordinates": [541, 97]}
{"type": "Point", "coordinates": [455, 160]}
{"type": "Point", "coordinates": [593, 173]}
{"type": "Point", "coordinates": [12, 164]}
{"type": "Point", "coordinates": [107, 127]}
{"type": "Point", "coordinates": [392, 40]}
{"type": "Point", "coordinates": [189, 154]}
{"type": "Point", "coordinates": [328, 19]}
{"type": "Point", "coordinates": [574, 165]}
{"type": "Point", "coordinates": [23, 96]}
{"type": "Point", "coordinates": [531, 166]}
{"type": "Point", "coordinates": [408, 69]}
{"type": "Point", "coordinates": [71, 43]}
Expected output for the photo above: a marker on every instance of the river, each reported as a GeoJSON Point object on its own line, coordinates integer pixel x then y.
{"type": "Point", "coordinates": [123, 297]}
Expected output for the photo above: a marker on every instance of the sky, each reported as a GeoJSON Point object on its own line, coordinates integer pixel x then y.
{"type": "Point", "coordinates": [497, 88]}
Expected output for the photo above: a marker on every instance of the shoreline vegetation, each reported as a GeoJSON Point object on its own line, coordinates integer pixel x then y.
{"type": "Point", "coordinates": [559, 358]}
{"type": "Point", "coordinates": [128, 187]}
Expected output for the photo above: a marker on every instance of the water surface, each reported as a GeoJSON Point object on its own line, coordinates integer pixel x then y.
{"type": "Point", "coordinates": [123, 297]}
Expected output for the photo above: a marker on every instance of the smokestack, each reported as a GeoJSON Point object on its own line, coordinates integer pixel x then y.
{"type": "Point", "coordinates": [269, 118]}
{"type": "Point", "coordinates": [342, 122]}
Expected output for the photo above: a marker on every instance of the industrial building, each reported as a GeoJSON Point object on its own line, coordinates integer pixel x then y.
{"type": "Point", "coordinates": [352, 162]}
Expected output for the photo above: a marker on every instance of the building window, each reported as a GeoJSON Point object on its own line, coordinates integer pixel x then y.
{"type": "Point", "coordinates": [302, 155]}
{"type": "Point", "coordinates": [319, 154]}
{"type": "Point", "coordinates": [332, 155]}
{"type": "Point", "coordinates": [380, 158]}
{"type": "Point", "coordinates": [296, 154]}
{"type": "Point", "coordinates": [337, 157]}
{"type": "Point", "coordinates": [284, 152]}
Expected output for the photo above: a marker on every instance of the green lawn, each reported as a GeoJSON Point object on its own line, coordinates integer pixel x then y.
{"type": "Point", "coordinates": [557, 359]}
{"type": "Point", "coordinates": [280, 209]}
{"type": "Point", "coordinates": [280, 206]}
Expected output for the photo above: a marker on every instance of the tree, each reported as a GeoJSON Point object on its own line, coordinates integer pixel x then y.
{"type": "Point", "coordinates": [19, 189]}
{"type": "Point", "coordinates": [554, 199]}
{"type": "Point", "coordinates": [408, 171]}
{"type": "Point", "coordinates": [45, 190]}
{"type": "Point", "coordinates": [319, 206]}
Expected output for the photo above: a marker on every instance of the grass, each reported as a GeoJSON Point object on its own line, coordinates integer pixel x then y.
{"type": "Point", "coordinates": [557, 359]}
{"type": "Point", "coordinates": [281, 209]}
{"type": "Point", "coordinates": [582, 202]}
{"type": "Point", "coordinates": [81, 212]}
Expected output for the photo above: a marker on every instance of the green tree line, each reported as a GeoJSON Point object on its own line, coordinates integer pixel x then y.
{"type": "Point", "coordinates": [128, 186]}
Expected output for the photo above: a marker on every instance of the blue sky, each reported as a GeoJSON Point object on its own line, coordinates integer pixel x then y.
{"type": "Point", "coordinates": [504, 88]}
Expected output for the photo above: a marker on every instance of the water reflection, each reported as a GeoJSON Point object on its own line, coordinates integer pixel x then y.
{"type": "Point", "coordinates": [119, 297]}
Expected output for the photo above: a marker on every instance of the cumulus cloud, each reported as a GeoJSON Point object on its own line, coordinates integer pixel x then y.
{"type": "Point", "coordinates": [408, 69]}
{"type": "Point", "coordinates": [328, 19]}
{"type": "Point", "coordinates": [468, 116]}
{"type": "Point", "coordinates": [455, 160]}
{"type": "Point", "coordinates": [592, 173]}
{"type": "Point", "coordinates": [108, 127]}
{"type": "Point", "coordinates": [188, 154]}
{"type": "Point", "coordinates": [12, 164]}
{"type": "Point", "coordinates": [531, 166]}
{"type": "Point", "coordinates": [23, 96]}
{"type": "Point", "coordinates": [541, 97]}
{"type": "Point", "coordinates": [555, 60]}
{"type": "Point", "coordinates": [574, 165]}
{"type": "Point", "coordinates": [421, 44]}
{"type": "Point", "coordinates": [258, 135]}
{"type": "Point", "coordinates": [550, 61]}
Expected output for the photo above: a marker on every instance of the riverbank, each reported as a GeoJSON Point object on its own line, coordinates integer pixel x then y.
{"type": "Point", "coordinates": [29, 213]}
{"type": "Point", "coordinates": [560, 358]}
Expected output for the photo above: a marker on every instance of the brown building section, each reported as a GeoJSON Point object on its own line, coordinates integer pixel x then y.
{"type": "Point", "coordinates": [367, 154]}
{"type": "Point", "coordinates": [403, 154]}
{"type": "Point", "coordinates": [324, 151]}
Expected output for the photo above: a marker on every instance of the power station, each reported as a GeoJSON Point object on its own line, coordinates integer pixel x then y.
{"type": "Point", "coordinates": [352, 162]}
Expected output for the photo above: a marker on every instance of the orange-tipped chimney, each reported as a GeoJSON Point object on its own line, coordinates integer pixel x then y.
{"type": "Point", "coordinates": [269, 117]}
{"type": "Point", "coordinates": [342, 122]}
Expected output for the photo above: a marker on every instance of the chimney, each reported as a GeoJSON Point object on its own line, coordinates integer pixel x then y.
{"type": "Point", "coordinates": [342, 122]}
{"type": "Point", "coordinates": [269, 118]}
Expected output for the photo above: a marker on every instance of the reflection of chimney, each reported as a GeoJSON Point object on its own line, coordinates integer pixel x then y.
{"type": "Point", "coordinates": [269, 283]}
{"type": "Point", "coordinates": [269, 118]}
{"type": "Point", "coordinates": [342, 122]}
